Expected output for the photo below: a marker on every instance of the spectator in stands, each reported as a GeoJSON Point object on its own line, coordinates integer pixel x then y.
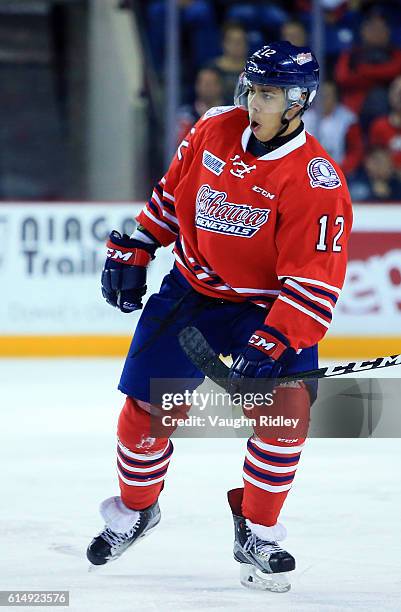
{"type": "Point", "coordinates": [364, 72]}
{"type": "Point", "coordinates": [377, 181]}
{"type": "Point", "coordinates": [231, 63]}
{"type": "Point", "coordinates": [385, 131]}
{"type": "Point", "coordinates": [259, 15]}
{"type": "Point", "coordinates": [341, 23]}
{"type": "Point", "coordinates": [294, 31]}
{"type": "Point", "coordinates": [307, 5]}
{"type": "Point", "coordinates": [208, 93]}
{"type": "Point", "coordinates": [198, 28]}
{"type": "Point", "coordinates": [338, 129]}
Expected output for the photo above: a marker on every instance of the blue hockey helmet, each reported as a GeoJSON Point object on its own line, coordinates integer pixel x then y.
{"type": "Point", "coordinates": [281, 64]}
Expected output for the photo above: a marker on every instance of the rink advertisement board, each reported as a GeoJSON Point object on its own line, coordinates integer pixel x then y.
{"type": "Point", "coordinates": [50, 269]}
{"type": "Point", "coordinates": [53, 254]}
{"type": "Point", "coordinates": [370, 304]}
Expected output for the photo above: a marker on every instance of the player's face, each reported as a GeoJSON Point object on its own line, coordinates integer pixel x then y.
{"type": "Point", "coordinates": [266, 105]}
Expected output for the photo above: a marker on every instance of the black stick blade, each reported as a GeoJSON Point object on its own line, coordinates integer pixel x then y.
{"type": "Point", "coordinates": [196, 347]}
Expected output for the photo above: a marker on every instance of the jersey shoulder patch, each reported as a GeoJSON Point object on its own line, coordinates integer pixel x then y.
{"type": "Point", "coordinates": [322, 174]}
{"type": "Point", "coordinates": [217, 110]}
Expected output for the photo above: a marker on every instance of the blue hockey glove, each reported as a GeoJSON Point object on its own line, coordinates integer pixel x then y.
{"type": "Point", "coordinates": [268, 351]}
{"type": "Point", "coordinates": [124, 272]}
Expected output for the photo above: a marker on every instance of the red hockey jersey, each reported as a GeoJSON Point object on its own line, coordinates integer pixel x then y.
{"type": "Point", "coordinates": [272, 230]}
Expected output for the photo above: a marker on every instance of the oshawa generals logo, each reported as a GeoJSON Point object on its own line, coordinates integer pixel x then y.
{"type": "Point", "coordinates": [215, 214]}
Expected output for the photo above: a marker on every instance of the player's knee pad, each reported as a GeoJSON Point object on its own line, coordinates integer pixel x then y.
{"type": "Point", "coordinates": [146, 426]}
{"type": "Point", "coordinates": [287, 417]}
{"type": "Point", "coordinates": [134, 428]}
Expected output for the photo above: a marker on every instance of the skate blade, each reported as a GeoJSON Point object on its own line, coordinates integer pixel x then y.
{"type": "Point", "coordinates": [252, 578]}
{"type": "Point", "coordinates": [95, 568]}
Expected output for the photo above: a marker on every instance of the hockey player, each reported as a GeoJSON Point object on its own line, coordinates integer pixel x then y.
{"type": "Point", "coordinates": [259, 215]}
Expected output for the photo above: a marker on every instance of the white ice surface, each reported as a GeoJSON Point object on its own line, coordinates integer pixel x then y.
{"type": "Point", "coordinates": [57, 455]}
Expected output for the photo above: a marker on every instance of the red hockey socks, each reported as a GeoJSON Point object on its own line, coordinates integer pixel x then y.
{"type": "Point", "coordinates": [142, 459]}
{"type": "Point", "coordinates": [270, 463]}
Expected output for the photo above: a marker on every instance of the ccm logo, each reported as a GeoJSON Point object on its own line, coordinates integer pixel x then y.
{"type": "Point", "coordinates": [262, 343]}
{"type": "Point", "coordinates": [359, 366]}
{"type": "Point", "coordinates": [264, 193]}
{"type": "Point", "coordinates": [115, 254]}
{"type": "Point", "coordinates": [258, 70]}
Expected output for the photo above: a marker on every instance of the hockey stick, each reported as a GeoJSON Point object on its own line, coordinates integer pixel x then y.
{"type": "Point", "coordinates": [203, 357]}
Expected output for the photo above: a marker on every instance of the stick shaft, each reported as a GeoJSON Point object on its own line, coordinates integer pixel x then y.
{"type": "Point", "coordinates": [202, 355]}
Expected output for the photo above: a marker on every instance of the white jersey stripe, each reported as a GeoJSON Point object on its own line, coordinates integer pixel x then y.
{"type": "Point", "coordinates": [282, 450]}
{"type": "Point", "coordinates": [170, 217]}
{"type": "Point", "coordinates": [200, 276]}
{"type": "Point", "coordinates": [183, 248]}
{"type": "Point", "coordinates": [192, 260]}
{"type": "Point", "coordinates": [178, 258]}
{"type": "Point", "coordinates": [210, 274]}
{"type": "Point", "coordinates": [261, 291]}
{"type": "Point", "coordinates": [139, 483]}
{"type": "Point", "coordinates": [157, 221]}
{"type": "Point", "coordinates": [311, 314]}
{"type": "Point", "coordinates": [308, 294]}
{"type": "Point", "coordinates": [168, 196]}
{"type": "Point", "coordinates": [156, 197]}
{"type": "Point", "coordinates": [312, 282]}
{"type": "Point", "coordinates": [278, 469]}
{"type": "Point", "coordinates": [153, 468]}
{"type": "Point", "coordinates": [266, 487]}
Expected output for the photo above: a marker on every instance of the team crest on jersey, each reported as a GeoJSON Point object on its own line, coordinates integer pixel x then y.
{"type": "Point", "coordinates": [240, 168]}
{"type": "Point", "coordinates": [322, 174]}
{"type": "Point", "coordinates": [215, 214]}
{"type": "Point", "coordinates": [213, 163]}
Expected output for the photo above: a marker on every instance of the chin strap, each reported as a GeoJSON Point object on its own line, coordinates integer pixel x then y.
{"type": "Point", "coordinates": [285, 123]}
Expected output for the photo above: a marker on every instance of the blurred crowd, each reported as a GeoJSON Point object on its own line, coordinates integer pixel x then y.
{"type": "Point", "coordinates": [360, 122]}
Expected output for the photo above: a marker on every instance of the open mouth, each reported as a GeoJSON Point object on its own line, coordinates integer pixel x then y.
{"type": "Point", "coordinates": [254, 125]}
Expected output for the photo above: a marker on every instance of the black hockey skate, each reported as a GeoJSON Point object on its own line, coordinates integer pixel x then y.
{"type": "Point", "coordinates": [124, 527]}
{"type": "Point", "coordinates": [263, 562]}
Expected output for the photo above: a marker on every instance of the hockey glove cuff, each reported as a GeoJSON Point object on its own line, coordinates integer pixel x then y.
{"type": "Point", "coordinates": [271, 343]}
{"type": "Point", "coordinates": [268, 351]}
{"type": "Point", "coordinates": [124, 273]}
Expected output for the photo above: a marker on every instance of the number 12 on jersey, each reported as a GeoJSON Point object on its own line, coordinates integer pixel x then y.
{"type": "Point", "coordinates": [322, 243]}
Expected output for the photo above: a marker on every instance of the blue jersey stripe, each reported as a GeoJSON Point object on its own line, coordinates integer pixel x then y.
{"type": "Point", "coordinates": [148, 476]}
{"type": "Point", "coordinates": [333, 297]}
{"type": "Point", "coordinates": [159, 190]}
{"type": "Point", "coordinates": [169, 205]}
{"type": "Point", "coordinates": [272, 458]}
{"type": "Point", "coordinates": [307, 302]}
{"type": "Point", "coordinates": [156, 211]}
{"type": "Point", "coordinates": [268, 477]}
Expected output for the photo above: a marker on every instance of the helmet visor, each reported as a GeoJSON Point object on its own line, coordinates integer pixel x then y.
{"type": "Point", "coordinates": [249, 94]}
